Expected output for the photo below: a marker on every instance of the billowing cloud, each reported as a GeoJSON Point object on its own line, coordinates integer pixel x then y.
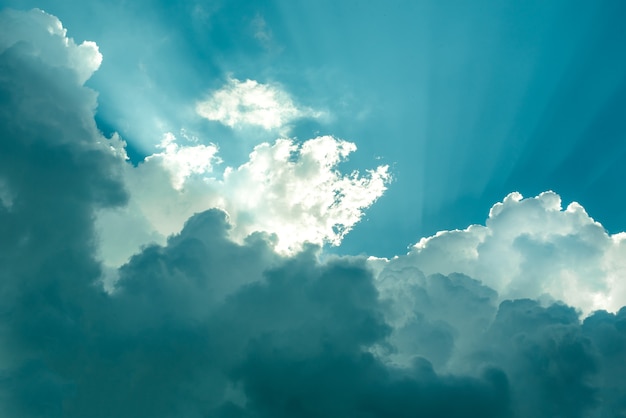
{"type": "Point", "coordinates": [183, 162]}
{"type": "Point", "coordinates": [297, 192]}
{"type": "Point", "coordinates": [294, 192]}
{"type": "Point", "coordinates": [555, 365]}
{"type": "Point", "coordinates": [45, 38]}
{"type": "Point", "coordinates": [533, 248]}
{"type": "Point", "coordinates": [205, 325]}
{"type": "Point", "coordinates": [249, 102]}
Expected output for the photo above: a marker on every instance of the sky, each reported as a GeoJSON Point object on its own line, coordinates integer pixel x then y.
{"type": "Point", "coordinates": [312, 209]}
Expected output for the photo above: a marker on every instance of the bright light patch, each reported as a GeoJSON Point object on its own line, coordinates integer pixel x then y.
{"type": "Point", "coordinates": [297, 193]}
{"type": "Point", "coordinates": [184, 161]}
{"type": "Point", "coordinates": [294, 192]}
{"type": "Point", "coordinates": [252, 103]}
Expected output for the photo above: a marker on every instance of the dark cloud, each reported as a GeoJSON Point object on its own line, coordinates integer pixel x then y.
{"type": "Point", "coordinates": [56, 174]}
{"type": "Point", "coordinates": [206, 327]}
{"type": "Point", "coordinates": [607, 331]}
{"type": "Point", "coordinates": [555, 364]}
{"type": "Point", "coordinates": [546, 356]}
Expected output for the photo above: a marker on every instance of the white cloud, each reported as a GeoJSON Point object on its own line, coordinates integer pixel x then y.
{"type": "Point", "coordinates": [165, 190]}
{"type": "Point", "coordinates": [297, 193]}
{"type": "Point", "coordinates": [251, 103]}
{"type": "Point", "coordinates": [182, 162]}
{"type": "Point", "coordinates": [293, 191]}
{"type": "Point", "coordinates": [532, 248]}
{"type": "Point", "coordinates": [47, 39]}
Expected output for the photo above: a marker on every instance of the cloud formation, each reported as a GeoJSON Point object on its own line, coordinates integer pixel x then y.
{"type": "Point", "coordinates": [46, 38]}
{"type": "Point", "coordinates": [241, 103]}
{"type": "Point", "coordinates": [183, 162]}
{"type": "Point", "coordinates": [297, 192]}
{"type": "Point", "coordinates": [203, 325]}
{"type": "Point", "coordinates": [292, 191]}
{"type": "Point", "coordinates": [533, 248]}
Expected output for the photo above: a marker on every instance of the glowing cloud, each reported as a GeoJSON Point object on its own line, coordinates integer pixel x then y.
{"type": "Point", "coordinates": [532, 248]}
{"type": "Point", "coordinates": [182, 162]}
{"type": "Point", "coordinates": [252, 103]}
{"type": "Point", "coordinates": [297, 193]}
{"type": "Point", "coordinates": [294, 192]}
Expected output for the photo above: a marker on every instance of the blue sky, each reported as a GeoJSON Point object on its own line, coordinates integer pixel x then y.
{"type": "Point", "coordinates": [465, 103]}
{"type": "Point", "coordinates": [315, 209]}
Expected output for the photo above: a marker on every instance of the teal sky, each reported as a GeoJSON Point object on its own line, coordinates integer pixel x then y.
{"type": "Point", "coordinates": [279, 209]}
{"type": "Point", "coordinates": [465, 101]}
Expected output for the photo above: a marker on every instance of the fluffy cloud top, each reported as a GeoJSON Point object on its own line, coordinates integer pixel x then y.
{"type": "Point", "coordinates": [297, 193]}
{"type": "Point", "coordinates": [533, 248]}
{"type": "Point", "coordinates": [294, 192]}
{"type": "Point", "coordinates": [182, 162]}
{"type": "Point", "coordinates": [44, 37]}
{"type": "Point", "coordinates": [206, 326]}
{"type": "Point", "coordinates": [252, 103]}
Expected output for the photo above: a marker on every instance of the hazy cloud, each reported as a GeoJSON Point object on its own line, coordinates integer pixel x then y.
{"type": "Point", "coordinates": [249, 102]}
{"type": "Point", "coordinates": [261, 31]}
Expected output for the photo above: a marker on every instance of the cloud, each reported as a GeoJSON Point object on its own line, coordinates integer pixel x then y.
{"type": "Point", "coordinates": [182, 162]}
{"type": "Point", "coordinates": [550, 359]}
{"type": "Point", "coordinates": [533, 248]}
{"type": "Point", "coordinates": [261, 31]}
{"type": "Point", "coordinates": [44, 37]}
{"type": "Point", "coordinates": [554, 363]}
{"type": "Point", "coordinates": [204, 325]}
{"type": "Point", "coordinates": [6, 196]}
{"type": "Point", "coordinates": [297, 193]}
{"type": "Point", "coordinates": [294, 192]}
{"type": "Point", "coordinates": [241, 103]}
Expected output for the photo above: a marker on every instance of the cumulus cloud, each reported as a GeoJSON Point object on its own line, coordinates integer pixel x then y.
{"type": "Point", "coordinates": [555, 365]}
{"type": "Point", "coordinates": [182, 162]}
{"type": "Point", "coordinates": [292, 191]}
{"type": "Point", "coordinates": [533, 248]}
{"type": "Point", "coordinates": [298, 194]}
{"type": "Point", "coordinates": [43, 36]}
{"type": "Point", "coordinates": [204, 325]}
{"type": "Point", "coordinates": [249, 102]}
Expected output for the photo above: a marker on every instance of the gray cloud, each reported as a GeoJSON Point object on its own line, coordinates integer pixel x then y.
{"type": "Point", "coordinates": [545, 353]}
{"type": "Point", "coordinates": [57, 172]}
